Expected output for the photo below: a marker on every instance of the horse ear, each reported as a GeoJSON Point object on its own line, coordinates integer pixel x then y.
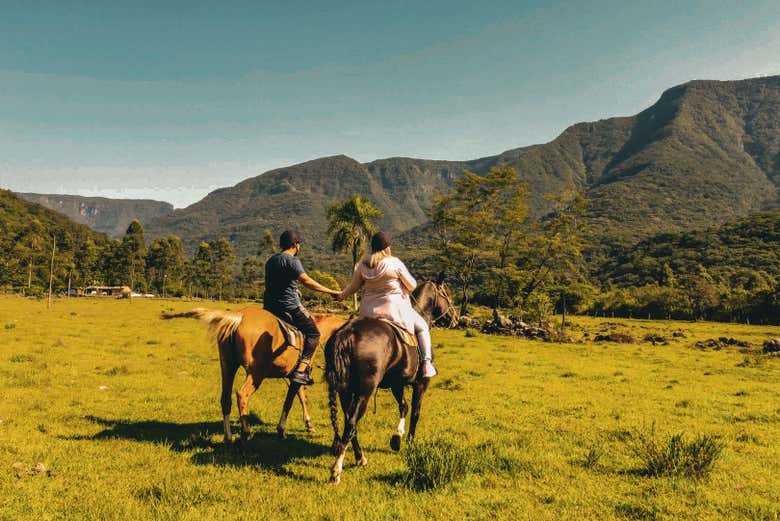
{"type": "Point", "coordinates": [440, 277]}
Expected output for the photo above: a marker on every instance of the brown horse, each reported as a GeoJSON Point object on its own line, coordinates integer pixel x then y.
{"type": "Point", "coordinates": [251, 338]}
{"type": "Point", "coordinates": [365, 354]}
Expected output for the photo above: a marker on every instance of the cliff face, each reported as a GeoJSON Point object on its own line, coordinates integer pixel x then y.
{"type": "Point", "coordinates": [109, 216]}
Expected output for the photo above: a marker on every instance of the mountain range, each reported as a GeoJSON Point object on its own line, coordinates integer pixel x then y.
{"type": "Point", "coordinates": [705, 153]}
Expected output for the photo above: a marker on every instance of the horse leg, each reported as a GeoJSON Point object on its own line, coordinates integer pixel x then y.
{"type": "Point", "coordinates": [305, 406]}
{"type": "Point", "coordinates": [229, 367]}
{"type": "Point", "coordinates": [360, 458]}
{"type": "Point", "coordinates": [294, 388]}
{"type": "Point", "coordinates": [356, 409]}
{"type": "Point", "coordinates": [339, 448]}
{"type": "Point", "coordinates": [398, 392]}
{"type": "Point", "coordinates": [417, 396]}
{"type": "Point", "coordinates": [243, 394]}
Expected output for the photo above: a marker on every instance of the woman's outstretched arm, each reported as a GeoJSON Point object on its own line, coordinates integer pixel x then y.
{"type": "Point", "coordinates": [357, 281]}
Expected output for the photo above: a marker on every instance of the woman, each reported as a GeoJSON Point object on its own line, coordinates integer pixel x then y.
{"type": "Point", "coordinates": [386, 287]}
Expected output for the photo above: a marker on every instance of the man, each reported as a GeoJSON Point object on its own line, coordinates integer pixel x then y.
{"type": "Point", "coordinates": [282, 273]}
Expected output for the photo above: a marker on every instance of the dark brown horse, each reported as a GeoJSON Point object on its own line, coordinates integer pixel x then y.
{"type": "Point", "coordinates": [251, 338]}
{"type": "Point", "coordinates": [365, 355]}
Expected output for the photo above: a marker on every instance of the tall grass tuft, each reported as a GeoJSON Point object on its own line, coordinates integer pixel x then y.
{"type": "Point", "coordinates": [435, 463]}
{"type": "Point", "coordinates": [593, 456]}
{"type": "Point", "coordinates": [675, 455]}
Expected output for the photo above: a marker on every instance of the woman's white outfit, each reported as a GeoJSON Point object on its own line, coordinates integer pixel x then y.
{"type": "Point", "coordinates": [386, 289]}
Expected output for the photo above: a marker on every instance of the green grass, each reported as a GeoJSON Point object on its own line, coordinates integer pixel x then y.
{"type": "Point", "coordinates": [122, 410]}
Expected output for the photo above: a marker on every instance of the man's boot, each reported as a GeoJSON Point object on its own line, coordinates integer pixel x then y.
{"type": "Point", "coordinates": [302, 377]}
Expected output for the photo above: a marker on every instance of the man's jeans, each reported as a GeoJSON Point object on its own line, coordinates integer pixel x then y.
{"type": "Point", "coordinates": [301, 319]}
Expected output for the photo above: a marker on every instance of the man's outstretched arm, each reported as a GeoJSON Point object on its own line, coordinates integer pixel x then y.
{"type": "Point", "coordinates": [313, 285]}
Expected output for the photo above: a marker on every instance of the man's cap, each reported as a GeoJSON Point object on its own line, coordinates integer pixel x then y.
{"type": "Point", "coordinates": [289, 238]}
{"type": "Point", "coordinates": [380, 241]}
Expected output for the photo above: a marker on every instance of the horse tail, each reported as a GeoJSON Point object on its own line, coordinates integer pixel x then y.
{"type": "Point", "coordinates": [221, 324]}
{"type": "Point", "coordinates": [338, 351]}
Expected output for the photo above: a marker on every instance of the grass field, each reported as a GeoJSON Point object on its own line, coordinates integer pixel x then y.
{"type": "Point", "coordinates": [122, 409]}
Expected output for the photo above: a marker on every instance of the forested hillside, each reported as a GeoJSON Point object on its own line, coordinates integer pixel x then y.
{"type": "Point", "coordinates": [27, 231]}
{"type": "Point", "coordinates": [731, 272]}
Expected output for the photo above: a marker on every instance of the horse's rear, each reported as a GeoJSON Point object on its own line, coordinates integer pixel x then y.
{"type": "Point", "coordinates": [359, 358]}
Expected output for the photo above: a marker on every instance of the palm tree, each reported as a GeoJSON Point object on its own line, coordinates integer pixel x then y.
{"type": "Point", "coordinates": [350, 227]}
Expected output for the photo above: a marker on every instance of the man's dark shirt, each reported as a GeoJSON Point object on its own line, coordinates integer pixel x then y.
{"type": "Point", "coordinates": [281, 282]}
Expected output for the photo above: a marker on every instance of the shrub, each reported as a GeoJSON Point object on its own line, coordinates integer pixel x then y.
{"type": "Point", "coordinates": [114, 371]}
{"type": "Point", "coordinates": [471, 333]}
{"type": "Point", "coordinates": [449, 384]}
{"type": "Point", "coordinates": [489, 458]}
{"type": "Point", "coordinates": [593, 456]}
{"type": "Point", "coordinates": [435, 463]}
{"type": "Point", "coordinates": [539, 307]}
{"type": "Point", "coordinates": [675, 455]}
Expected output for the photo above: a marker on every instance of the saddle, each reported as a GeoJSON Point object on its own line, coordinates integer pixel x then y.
{"type": "Point", "coordinates": [408, 341]}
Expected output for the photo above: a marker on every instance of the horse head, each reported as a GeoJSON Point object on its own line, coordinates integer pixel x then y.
{"type": "Point", "coordinates": [433, 301]}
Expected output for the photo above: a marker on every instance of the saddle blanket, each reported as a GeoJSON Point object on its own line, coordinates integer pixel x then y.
{"type": "Point", "coordinates": [292, 335]}
{"type": "Point", "coordinates": [404, 336]}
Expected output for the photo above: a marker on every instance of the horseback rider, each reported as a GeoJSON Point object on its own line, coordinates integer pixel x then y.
{"type": "Point", "coordinates": [386, 287]}
{"type": "Point", "coordinates": [283, 271]}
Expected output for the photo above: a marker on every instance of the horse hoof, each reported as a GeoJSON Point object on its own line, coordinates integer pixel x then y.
{"type": "Point", "coordinates": [335, 480]}
{"type": "Point", "coordinates": [395, 442]}
{"type": "Point", "coordinates": [281, 432]}
{"type": "Point", "coordinates": [310, 429]}
{"type": "Point", "coordinates": [362, 462]}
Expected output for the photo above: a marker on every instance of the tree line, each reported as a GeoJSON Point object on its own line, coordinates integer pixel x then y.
{"type": "Point", "coordinates": [495, 254]}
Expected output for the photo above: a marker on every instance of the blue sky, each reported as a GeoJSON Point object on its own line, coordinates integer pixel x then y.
{"type": "Point", "coordinates": [169, 100]}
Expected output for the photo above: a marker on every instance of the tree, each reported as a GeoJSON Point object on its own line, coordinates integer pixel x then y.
{"type": "Point", "coordinates": [200, 269]}
{"type": "Point", "coordinates": [350, 226]}
{"type": "Point", "coordinates": [222, 258]}
{"type": "Point", "coordinates": [32, 248]}
{"type": "Point", "coordinates": [211, 270]}
{"type": "Point", "coordinates": [87, 263]}
{"type": "Point", "coordinates": [250, 278]}
{"type": "Point", "coordinates": [555, 253]}
{"type": "Point", "coordinates": [478, 227]}
{"type": "Point", "coordinates": [132, 255]}
{"type": "Point", "coordinates": [165, 262]}
{"type": "Point", "coordinates": [266, 246]}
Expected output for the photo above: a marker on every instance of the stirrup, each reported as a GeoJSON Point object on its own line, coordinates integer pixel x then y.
{"type": "Point", "coordinates": [302, 377]}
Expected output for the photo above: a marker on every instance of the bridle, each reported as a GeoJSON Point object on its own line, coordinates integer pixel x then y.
{"type": "Point", "coordinates": [440, 292]}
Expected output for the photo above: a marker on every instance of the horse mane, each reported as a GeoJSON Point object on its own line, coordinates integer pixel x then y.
{"type": "Point", "coordinates": [221, 324]}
